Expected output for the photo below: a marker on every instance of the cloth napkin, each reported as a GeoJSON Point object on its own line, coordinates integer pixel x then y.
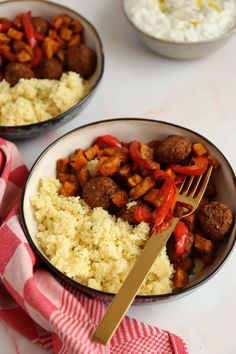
{"type": "Point", "coordinates": [43, 308]}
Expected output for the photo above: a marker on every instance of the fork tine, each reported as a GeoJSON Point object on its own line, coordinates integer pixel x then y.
{"type": "Point", "coordinates": [182, 185]}
{"type": "Point", "coordinates": [204, 184]}
{"type": "Point", "coordinates": [189, 185]}
{"type": "Point", "coordinates": [196, 184]}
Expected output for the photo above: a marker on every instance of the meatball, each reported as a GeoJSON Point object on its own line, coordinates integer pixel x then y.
{"type": "Point", "coordinates": [40, 25]}
{"type": "Point", "coordinates": [215, 219]}
{"type": "Point", "coordinates": [82, 60]}
{"type": "Point", "coordinates": [50, 69]}
{"type": "Point", "coordinates": [15, 71]}
{"type": "Point", "coordinates": [173, 149]}
{"type": "Point", "coordinates": [128, 214]}
{"type": "Point", "coordinates": [99, 191]}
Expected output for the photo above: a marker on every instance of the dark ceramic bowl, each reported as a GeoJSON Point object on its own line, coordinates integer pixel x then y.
{"type": "Point", "coordinates": [127, 130]}
{"type": "Point", "coordinates": [10, 9]}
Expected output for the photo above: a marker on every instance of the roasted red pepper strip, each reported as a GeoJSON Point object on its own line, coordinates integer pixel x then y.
{"type": "Point", "coordinates": [181, 238]}
{"type": "Point", "coordinates": [199, 167]}
{"type": "Point", "coordinates": [6, 53]}
{"type": "Point", "coordinates": [167, 195]}
{"type": "Point", "coordinates": [134, 150]}
{"type": "Point", "coordinates": [4, 25]}
{"type": "Point", "coordinates": [38, 56]}
{"type": "Point", "coordinates": [39, 37]}
{"type": "Point", "coordinates": [108, 140]}
{"type": "Point", "coordinates": [166, 223]}
{"type": "Point", "coordinates": [142, 213]}
{"type": "Point", "coordinates": [29, 29]}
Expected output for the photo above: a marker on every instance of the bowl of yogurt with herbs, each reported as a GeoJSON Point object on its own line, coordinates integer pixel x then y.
{"type": "Point", "coordinates": [182, 29]}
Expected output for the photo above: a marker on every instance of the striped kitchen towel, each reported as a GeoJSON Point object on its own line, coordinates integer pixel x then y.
{"type": "Point", "coordinates": [41, 307]}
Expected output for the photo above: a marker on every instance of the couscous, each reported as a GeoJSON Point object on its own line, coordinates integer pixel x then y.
{"type": "Point", "coordinates": [92, 246]}
{"type": "Point", "coordinates": [34, 100]}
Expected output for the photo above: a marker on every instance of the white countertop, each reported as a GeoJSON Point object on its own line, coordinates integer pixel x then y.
{"type": "Point", "coordinates": [200, 95]}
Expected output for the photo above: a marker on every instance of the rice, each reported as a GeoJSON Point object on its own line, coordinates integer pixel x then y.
{"type": "Point", "coordinates": [183, 20]}
{"type": "Point", "coordinates": [92, 246]}
{"type": "Point", "coordinates": [34, 100]}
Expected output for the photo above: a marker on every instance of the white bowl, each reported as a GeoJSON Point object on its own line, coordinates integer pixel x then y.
{"type": "Point", "coordinates": [179, 50]}
{"type": "Point", "coordinates": [126, 130]}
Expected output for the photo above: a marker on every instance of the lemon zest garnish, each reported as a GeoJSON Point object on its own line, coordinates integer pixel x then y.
{"type": "Point", "coordinates": [200, 4]}
{"type": "Point", "coordinates": [214, 6]}
{"type": "Point", "coordinates": [195, 23]}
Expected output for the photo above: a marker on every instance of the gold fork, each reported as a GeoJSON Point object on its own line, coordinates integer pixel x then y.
{"type": "Point", "coordinates": [190, 192]}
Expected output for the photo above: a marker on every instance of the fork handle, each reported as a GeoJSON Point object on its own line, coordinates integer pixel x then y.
{"type": "Point", "coordinates": [131, 285]}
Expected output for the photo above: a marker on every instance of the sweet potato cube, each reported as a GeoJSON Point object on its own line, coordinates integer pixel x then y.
{"type": "Point", "coordinates": [76, 26]}
{"type": "Point", "coordinates": [109, 166]}
{"type": "Point", "coordinates": [134, 180]}
{"type": "Point", "coordinates": [153, 197]}
{"type": "Point", "coordinates": [14, 34]}
{"type": "Point", "coordinates": [190, 221]}
{"type": "Point", "coordinates": [4, 38]}
{"type": "Point", "coordinates": [52, 34]}
{"type": "Point", "coordinates": [202, 245]}
{"type": "Point", "coordinates": [213, 161]}
{"type": "Point", "coordinates": [199, 149]}
{"type": "Point", "coordinates": [171, 173]}
{"type": "Point", "coordinates": [142, 188]}
{"type": "Point", "coordinates": [66, 176]}
{"type": "Point", "coordinates": [83, 176]}
{"type": "Point", "coordinates": [146, 152]}
{"type": "Point", "coordinates": [120, 198]}
{"type": "Point", "coordinates": [75, 40]}
{"type": "Point", "coordinates": [18, 46]}
{"type": "Point", "coordinates": [186, 264]}
{"type": "Point", "coordinates": [17, 22]}
{"type": "Point", "coordinates": [57, 21]}
{"type": "Point", "coordinates": [180, 278]}
{"type": "Point", "coordinates": [66, 20]}
{"type": "Point", "coordinates": [65, 33]}
{"type": "Point", "coordinates": [63, 165]}
{"type": "Point", "coordinates": [69, 189]}
{"type": "Point", "coordinates": [125, 171]}
{"type": "Point", "coordinates": [78, 160]}
{"type": "Point", "coordinates": [23, 56]}
{"type": "Point", "coordinates": [50, 47]}
{"type": "Point", "coordinates": [208, 258]}
{"type": "Point", "coordinates": [91, 153]}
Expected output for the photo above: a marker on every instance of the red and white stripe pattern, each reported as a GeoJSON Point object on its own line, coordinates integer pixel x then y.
{"type": "Point", "coordinates": [46, 310]}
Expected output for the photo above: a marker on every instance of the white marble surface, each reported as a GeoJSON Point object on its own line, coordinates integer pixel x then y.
{"type": "Point", "coordinates": [197, 94]}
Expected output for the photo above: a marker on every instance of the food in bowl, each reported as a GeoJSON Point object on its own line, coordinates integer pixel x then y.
{"type": "Point", "coordinates": [182, 21]}
{"type": "Point", "coordinates": [94, 219]}
{"type": "Point", "coordinates": [38, 59]}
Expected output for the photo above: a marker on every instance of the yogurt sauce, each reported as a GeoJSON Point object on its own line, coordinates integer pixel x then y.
{"type": "Point", "coordinates": [183, 20]}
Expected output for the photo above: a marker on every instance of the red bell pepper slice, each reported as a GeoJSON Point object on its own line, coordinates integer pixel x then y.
{"type": "Point", "coordinates": [134, 150]}
{"type": "Point", "coordinates": [167, 194]}
{"type": "Point", "coordinates": [38, 56]}
{"type": "Point", "coordinates": [4, 25]}
{"type": "Point", "coordinates": [199, 167]}
{"type": "Point", "coordinates": [29, 29]}
{"type": "Point", "coordinates": [166, 223]}
{"type": "Point", "coordinates": [181, 238]}
{"type": "Point", "coordinates": [39, 37]}
{"type": "Point", "coordinates": [108, 140]}
{"type": "Point", "coordinates": [142, 213]}
{"type": "Point", "coordinates": [6, 53]}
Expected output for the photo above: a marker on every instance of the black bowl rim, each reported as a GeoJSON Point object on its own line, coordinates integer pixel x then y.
{"type": "Point", "coordinates": [104, 293]}
{"type": "Point", "coordinates": [226, 34]}
{"type": "Point", "coordinates": [62, 115]}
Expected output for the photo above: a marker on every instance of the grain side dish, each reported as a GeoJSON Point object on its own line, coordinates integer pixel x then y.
{"type": "Point", "coordinates": [34, 100]}
{"type": "Point", "coordinates": [183, 21]}
{"type": "Point", "coordinates": [95, 217]}
{"type": "Point", "coordinates": [90, 245]}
